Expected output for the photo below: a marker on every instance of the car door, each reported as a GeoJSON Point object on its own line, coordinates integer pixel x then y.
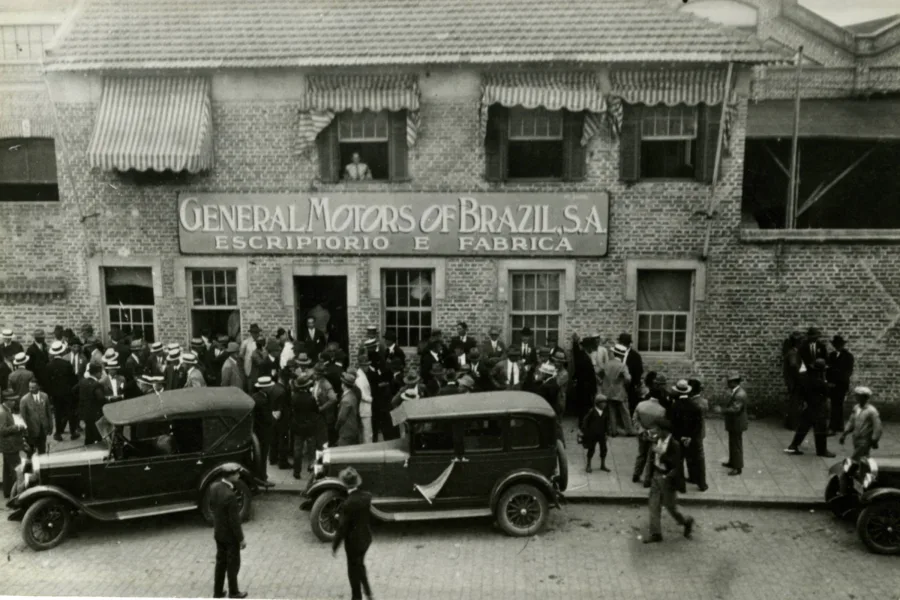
{"type": "Point", "coordinates": [177, 475]}
{"type": "Point", "coordinates": [485, 457]}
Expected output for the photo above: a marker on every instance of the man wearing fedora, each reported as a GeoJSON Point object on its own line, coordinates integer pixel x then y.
{"type": "Point", "coordinates": [666, 481]}
{"type": "Point", "coordinates": [436, 380]}
{"type": "Point", "coordinates": [38, 356]}
{"type": "Point", "coordinates": [61, 381]}
{"type": "Point", "coordinates": [431, 357]}
{"type": "Point", "coordinates": [509, 373]}
{"type": "Point", "coordinates": [215, 359]}
{"type": "Point", "coordinates": [635, 365]}
{"type": "Point", "coordinates": [366, 398]}
{"type": "Point", "coordinates": [812, 348]}
{"type": "Point", "coordinates": [281, 428]}
{"type": "Point", "coordinates": [355, 533]}
{"type": "Point", "coordinates": [559, 360]}
{"type": "Point", "coordinates": [227, 532]}
{"type": "Point", "coordinates": [247, 347]}
{"type": "Point", "coordinates": [838, 374]}
{"type": "Point", "coordinates": [91, 397]}
{"type": "Point", "coordinates": [348, 422]}
{"type": "Point", "coordinates": [814, 414]}
{"type": "Point", "coordinates": [8, 342]}
{"type": "Point", "coordinates": [462, 340]}
{"type": "Point", "coordinates": [527, 348]}
{"type": "Point", "coordinates": [736, 423]}
{"type": "Point", "coordinates": [327, 401]}
{"type": "Point", "coordinates": [21, 375]}
{"type": "Point", "coordinates": [35, 410]}
{"type": "Point", "coordinates": [412, 384]}
{"type": "Point", "coordinates": [232, 372]}
{"type": "Point", "coordinates": [194, 375]}
{"type": "Point", "coordinates": [264, 419]}
{"type": "Point", "coordinates": [393, 353]}
{"type": "Point", "coordinates": [305, 422]}
{"type": "Point", "coordinates": [493, 346]}
{"type": "Point", "coordinates": [614, 385]}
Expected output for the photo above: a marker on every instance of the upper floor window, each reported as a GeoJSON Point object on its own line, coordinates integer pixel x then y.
{"type": "Point", "coordinates": [28, 170]}
{"type": "Point", "coordinates": [364, 146]}
{"type": "Point", "coordinates": [523, 144]}
{"type": "Point", "coordinates": [24, 43]}
{"type": "Point", "coordinates": [664, 309]}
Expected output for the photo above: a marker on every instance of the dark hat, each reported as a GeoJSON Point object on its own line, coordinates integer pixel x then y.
{"type": "Point", "coordinates": [494, 330]}
{"type": "Point", "coordinates": [814, 332]}
{"type": "Point", "coordinates": [222, 339]}
{"type": "Point", "coordinates": [625, 339]}
{"type": "Point", "coordinates": [390, 336]}
{"type": "Point", "coordinates": [450, 376]}
{"type": "Point", "coordinates": [38, 333]}
{"type": "Point", "coordinates": [664, 424]}
{"type": "Point", "coordinates": [543, 351]}
{"type": "Point", "coordinates": [474, 354]}
{"type": "Point", "coordinates": [838, 340]}
{"type": "Point", "coordinates": [350, 478]}
{"type": "Point", "coordinates": [9, 394]}
{"type": "Point", "coordinates": [796, 335]}
{"type": "Point", "coordinates": [463, 325]}
{"type": "Point", "coordinates": [137, 344]}
{"type": "Point", "coordinates": [411, 379]}
{"type": "Point", "coordinates": [348, 378]}
{"type": "Point", "coordinates": [273, 346]}
{"type": "Point", "coordinates": [76, 341]}
{"type": "Point", "coordinates": [437, 369]}
{"type": "Point", "coordinates": [466, 368]}
{"type": "Point", "coordinates": [232, 347]}
{"type": "Point", "coordinates": [734, 376]}
{"type": "Point", "coordinates": [397, 363]}
{"type": "Point", "coordinates": [660, 380]}
{"type": "Point", "coordinates": [304, 381]}
{"type": "Point", "coordinates": [526, 331]}
{"type": "Point", "coordinates": [819, 364]}
{"type": "Point", "coordinates": [514, 352]}
{"type": "Point", "coordinates": [320, 368]}
{"type": "Point", "coordinates": [696, 386]}
{"type": "Point", "coordinates": [363, 360]}
{"type": "Point", "coordinates": [254, 328]}
{"type": "Point", "coordinates": [436, 333]}
{"type": "Point", "coordinates": [58, 330]}
{"type": "Point", "coordinates": [87, 328]}
{"type": "Point", "coordinates": [303, 360]}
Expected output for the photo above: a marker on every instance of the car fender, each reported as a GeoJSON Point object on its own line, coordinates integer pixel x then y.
{"type": "Point", "coordinates": [32, 495]}
{"type": "Point", "coordinates": [837, 468]}
{"type": "Point", "coordinates": [524, 476]}
{"type": "Point", "coordinates": [879, 494]}
{"type": "Point", "coordinates": [328, 483]}
{"type": "Point", "coordinates": [218, 470]}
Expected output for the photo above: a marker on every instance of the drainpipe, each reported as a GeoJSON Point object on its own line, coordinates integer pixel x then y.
{"type": "Point", "coordinates": [710, 209]}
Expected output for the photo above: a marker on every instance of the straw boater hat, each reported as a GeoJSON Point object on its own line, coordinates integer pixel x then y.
{"type": "Point", "coordinates": [474, 354]}
{"type": "Point", "coordinates": [6, 334]}
{"type": "Point", "coordinates": [548, 369]}
{"type": "Point", "coordinates": [151, 379]}
{"type": "Point", "coordinates": [189, 358]}
{"type": "Point", "coordinates": [862, 391]}
{"type": "Point", "coordinates": [619, 349]}
{"type": "Point", "coordinates": [348, 378]}
{"type": "Point", "coordinates": [410, 394]}
{"type": "Point", "coordinates": [303, 360]}
{"type": "Point", "coordinates": [682, 387]}
{"type": "Point", "coordinates": [110, 354]}
{"type": "Point", "coordinates": [559, 357]}
{"type": "Point", "coordinates": [173, 356]}
{"type": "Point", "coordinates": [264, 382]}
{"type": "Point", "coordinates": [232, 348]}
{"type": "Point", "coordinates": [494, 330]}
{"type": "Point", "coordinates": [57, 348]}
{"type": "Point", "coordinates": [222, 339]}
{"type": "Point", "coordinates": [110, 365]}
{"type": "Point", "coordinates": [371, 329]}
{"type": "Point", "coordinates": [734, 376]}
{"type": "Point", "coordinates": [197, 342]}
{"type": "Point", "coordinates": [173, 346]}
{"type": "Point", "coordinates": [156, 347]}
{"type": "Point", "coordinates": [350, 478]}
{"type": "Point", "coordinates": [20, 359]}
{"type": "Point", "coordinates": [411, 379]}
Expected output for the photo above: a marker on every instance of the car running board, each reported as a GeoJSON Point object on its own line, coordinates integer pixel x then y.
{"type": "Point", "coordinates": [428, 515]}
{"type": "Point", "coordinates": [151, 511]}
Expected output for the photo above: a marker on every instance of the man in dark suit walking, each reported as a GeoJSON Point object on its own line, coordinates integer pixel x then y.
{"type": "Point", "coordinates": [840, 370]}
{"type": "Point", "coordinates": [91, 397]}
{"type": "Point", "coordinates": [735, 412]}
{"type": "Point", "coordinates": [61, 381]}
{"type": "Point", "coordinates": [312, 340]}
{"type": "Point", "coordinates": [355, 533]}
{"type": "Point", "coordinates": [812, 348]}
{"type": "Point", "coordinates": [38, 357]}
{"type": "Point", "coordinates": [815, 411]}
{"type": "Point", "coordinates": [666, 480]}
{"type": "Point", "coordinates": [228, 533]}
{"type": "Point", "coordinates": [635, 365]}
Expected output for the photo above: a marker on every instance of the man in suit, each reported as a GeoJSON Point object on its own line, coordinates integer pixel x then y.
{"type": "Point", "coordinates": [327, 400]}
{"type": "Point", "coordinates": [156, 364]}
{"type": "Point", "coordinates": [21, 375]}
{"type": "Point", "coordinates": [479, 370]}
{"type": "Point", "coordinates": [38, 357]}
{"type": "Point", "coordinates": [280, 404]}
{"type": "Point", "coordinates": [635, 365]}
{"type": "Point", "coordinates": [431, 357]}
{"type": "Point", "coordinates": [35, 410]}
{"type": "Point", "coordinates": [509, 373]}
{"type": "Point", "coordinates": [840, 370]}
{"type": "Point", "coordinates": [227, 532]}
{"type": "Point", "coordinates": [666, 480]}
{"type": "Point", "coordinates": [392, 351]}
{"type": "Point", "coordinates": [686, 419]}
{"type": "Point", "coordinates": [370, 342]}
{"type": "Point", "coordinates": [215, 358]}
{"type": "Point", "coordinates": [9, 344]}
{"type": "Point", "coordinates": [194, 375]}
{"type": "Point", "coordinates": [91, 398]}
{"type": "Point", "coordinates": [77, 358]}
{"type": "Point", "coordinates": [355, 533]}
{"type": "Point", "coordinates": [815, 411]}
{"type": "Point", "coordinates": [264, 418]}
{"type": "Point", "coordinates": [248, 346]}
{"type": "Point", "coordinates": [114, 385]}
{"type": "Point", "coordinates": [312, 339]}
{"type": "Point", "coordinates": [61, 381]}
{"type": "Point", "coordinates": [584, 385]}
{"type": "Point", "coordinates": [527, 349]}
{"type": "Point", "coordinates": [615, 385]}
{"type": "Point", "coordinates": [735, 413]}
{"type": "Point", "coordinates": [463, 340]}
{"type": "Point", "coordinates": [174, 375]}
{"type": "Point", "coordinates": [645, 418]}
{"type": "Point", "coordinates": [493, 346]}
{"type": "Point", "coordinates": [694, 452]}
{"type": "Point", "coordinates": [6, 367]}
{"type": "Point", "coordinates": [12, 439]}
{"type": "Point", "coordinates": [812, 348]}
{"type": "Point", "coordinates": [232, 372]}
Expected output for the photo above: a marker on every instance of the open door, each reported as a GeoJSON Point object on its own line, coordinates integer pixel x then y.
{"type": "Point", "coordinates": [323, 297]}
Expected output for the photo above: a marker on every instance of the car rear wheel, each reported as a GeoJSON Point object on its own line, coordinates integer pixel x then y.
{"type": "Point", "coordinates": [325, 515]}
{"type": "Point", "coordinates": [244, 500]}
{"type": "Point", "coordinates": [879, 527]}
{"type": "Point", "coordinates": [522, 510]}
{"type": "Point", "coordinates": [46, 524]}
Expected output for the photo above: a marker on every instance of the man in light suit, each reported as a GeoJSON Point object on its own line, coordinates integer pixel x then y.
{"type": "Point", "coordinates": [615, 384]}
{"type": "Point", "coordinates": [493, 346]}
{"type": "Point", "coordinates": [666, 481]}
{"type": "Point", "coordinates": [232, 372]}
{"type": "Point", "coordinates": [35, 410]}
{"type": "Point", "coordinates": [194, 374]}
{"type": "Point", "coordinates": [635, 365]}
{"type": "Point", "coordinates": [735, 412]}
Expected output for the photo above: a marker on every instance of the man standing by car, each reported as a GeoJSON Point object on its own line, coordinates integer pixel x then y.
{"type": "Point", "coordinates": [91, 397]}
{"type": "Point", "coordinates": [35, 410]}
{"type": "Point", "coordinates": [864, 425]}
{"type": "Point", "coordinates": [306, 423]}
{"type": "Point", "coordinates": [354, 532]}
{"type": "Point", "coordinates": [61, 379]}
{"type": "Point", "coordinates": [815, 412]}
{"type": "Point", "coordinates": [228, 533]}
{"type": "Point", "coordinates": [840, 370]}
{"type": "Point", "coordinates": [12, 440]}
{"type": "Point", "coordinates": [264, 419]}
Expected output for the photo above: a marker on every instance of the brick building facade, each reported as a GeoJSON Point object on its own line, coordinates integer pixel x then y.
{"type": "Point", "coordinates": [742, 299]}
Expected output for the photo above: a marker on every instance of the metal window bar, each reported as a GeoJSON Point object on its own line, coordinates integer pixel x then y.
{"type": "Point", "coordinates": [408, 304]}
{"type": "Point", "coordinates": [366, 126]}
{"type": "Point", "coordinates": [669, 123]}
{"type": "Point", "coordinates": [214, 288]}
{"type": "Point", "coordinates": [663, 331]}
{"type": "Point", "coordinates": [535, 124]}
{"type": "Point", "coordinates": [137, 318]}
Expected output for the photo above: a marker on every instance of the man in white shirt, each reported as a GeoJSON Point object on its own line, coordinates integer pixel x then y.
{"type": "Point", "coordinates": [365, 401]}
{"type": "Point", "coordinates": [248, 345]}
{"type": "Point", "coordinates": [357, 170]}
{"type": "Point", "coordinates": [509, 372]}
{"type": "Point", "coordinates": [493, 346]}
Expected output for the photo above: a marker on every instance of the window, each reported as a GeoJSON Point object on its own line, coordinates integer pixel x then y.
{"type": "Point", "coordinates": [672, 142]}
{"type": "Point", "coordinates": [28, 170]}
{"type": "Point", "coordinates": [664, 300]}
{"type": "Point", "coordinates": [482, 435]}
{"type": "Point", "coordinates": [129, 300]}
{"type": "Point", "coordinates": [24, 43]}
{"type": "Point", "coordinates": [432, 436]}
{"type": "Point", "coordinates": [542, 144]}
{"type": "Point", "coordinates": [214, 429]}
{"type": "Point", "coordinates": [214, 303]}
{"type": "Point", "coordinates": [524, 434]}
{"type": "Point", "coordinates": [408, 304]}
{"type": "Point", "coordinates": [374, 139]}
{"type": "Point", "coordinates": [535, 304]}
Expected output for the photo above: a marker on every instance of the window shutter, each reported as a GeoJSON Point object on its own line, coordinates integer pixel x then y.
{"type": "Point", "coordinates": [397, 147]}
{"type": "Point", "coordinates": [329, 152]}
{"type": "Point", "coordinates": [495, 143]}
{"type": "Point", "coordinates": [707, 138]}
{"type": "Point", "coordinates": [574, 154]}
{"type": "Point", "coordinates": [630, 144]}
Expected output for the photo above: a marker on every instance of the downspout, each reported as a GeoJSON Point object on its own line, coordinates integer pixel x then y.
{"type": "Point", "coordinates": [711, 206]}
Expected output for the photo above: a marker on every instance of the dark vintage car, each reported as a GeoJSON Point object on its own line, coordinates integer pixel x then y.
{"type": "Point", "coordinates": [473, 455]}
{"type": "Point", "coordinates": [159, 455]}
{"type": "Point", "coordinates": [868, 490]}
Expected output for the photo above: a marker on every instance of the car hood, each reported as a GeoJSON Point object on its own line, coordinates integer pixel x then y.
{"type": "Point", "coordinates": [85, 455]}
{"type": "Point", "coordinates": [891, 463]}
{"type": "Point", "coordinates": [378, 452]}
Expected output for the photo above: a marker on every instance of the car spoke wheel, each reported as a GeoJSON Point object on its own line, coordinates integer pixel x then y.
{"type": "Point", "coordinates": [46, 523]}
{"type": "Point", "coordinates": [325, 514]}
{"type": "Point", "coordinates": [522, 510]}
{"type": "Point", "coordinates": [879, 527]}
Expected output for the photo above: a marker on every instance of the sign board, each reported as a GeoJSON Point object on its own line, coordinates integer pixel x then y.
{"type": "Point", "coordinates": [470, 224]}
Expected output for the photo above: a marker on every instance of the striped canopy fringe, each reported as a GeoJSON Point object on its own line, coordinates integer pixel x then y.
{"type": "Point", "coordinates": [153, 123]}
{"type": "Point", "coordinates": [574, 91]}
{"type": "Point", "coordinates": [328, 95]}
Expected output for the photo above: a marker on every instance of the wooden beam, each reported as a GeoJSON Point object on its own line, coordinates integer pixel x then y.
{"type": "Point", "coordinates": [815, 197]}
{"type": "Point", "coordinates": [711, 205]}
{"type": "Point", "coordinates": [780, 164]}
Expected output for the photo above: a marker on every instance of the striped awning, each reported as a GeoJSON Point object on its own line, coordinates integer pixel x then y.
{"type": "Point", "coordinates": [573, 91]}
{"type": "Point", "coordinates": [153, 123]}
{"type": "Point", "coordinates": [328, 95]}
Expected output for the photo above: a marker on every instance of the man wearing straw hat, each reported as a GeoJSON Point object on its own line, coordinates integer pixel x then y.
{"type": "Point", "coordinates": [21, 376]}
{"type": "Point", "coordinates": [355, 533]}
{"type": "Point", "coordinates": [61, 380]}
{"type": "Point", "coordinates": [264, 418]}
{"type": "Point", "coordinates": [348, 422]}
{"type": "Point", "coordinates": [366, 398]}
{"type": "Point", "coordinates": [195, 377]}
{"type": "Point", "coordinates": [114, 386]}
{"type": "Point", "coordinates": [305, 422]}
{"type": "Point", "coordinates": [232, 374]}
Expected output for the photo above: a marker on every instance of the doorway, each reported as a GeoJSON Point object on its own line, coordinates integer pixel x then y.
{"type": "Point", "coordinates": [323, 297]}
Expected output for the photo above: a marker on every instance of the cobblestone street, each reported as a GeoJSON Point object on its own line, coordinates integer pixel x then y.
{"type": "Point", "coordinates": [586, 552]}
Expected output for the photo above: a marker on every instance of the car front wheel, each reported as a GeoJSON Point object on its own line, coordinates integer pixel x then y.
{"type": "Point", "coordinates": [244, 500]}
{"type": "Point", "coordinates": [522, 510]}
{"type": "Point", "coordinates": [46, 524]}
{"type": "Point", "coordinates": [879, 527]}
{"type": "Point", "coordinates": [325, 515]}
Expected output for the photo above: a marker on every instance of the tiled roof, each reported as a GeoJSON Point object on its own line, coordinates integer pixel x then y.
{"type": "Point", "coordinates": [873, 26]}
{"type": "Point", "coordinates": [258, 33]}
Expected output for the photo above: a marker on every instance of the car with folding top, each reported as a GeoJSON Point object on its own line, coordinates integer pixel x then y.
{"type": "Point", "coordinates": [466, 455]}
{"type": "Point", "coordinates": [159, 454]}
{"type": "Point", "coordinates": [868, 491]}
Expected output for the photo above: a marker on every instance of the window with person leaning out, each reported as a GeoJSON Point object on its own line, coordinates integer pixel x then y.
{"type": "Point", "coordinates": [357, 170]}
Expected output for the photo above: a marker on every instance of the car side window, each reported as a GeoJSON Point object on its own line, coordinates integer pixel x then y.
{"type": "Point", "coordinates": [482, 435]}
{"type": "Point", "coordinates": [432, 436]}
{"type": "Point", "coordinates": [214, 428]}
{"type": "Point", "coordinates": [524, 434]}
{"type": "Point", "coordinates": [188, 435]}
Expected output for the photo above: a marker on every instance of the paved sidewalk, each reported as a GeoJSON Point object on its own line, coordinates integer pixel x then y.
{"type": "Point", "coordinates": [770, 477]}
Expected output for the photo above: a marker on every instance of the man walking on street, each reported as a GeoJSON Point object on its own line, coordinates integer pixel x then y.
{"type": "Point", "coordinates": [666, 480]}
{"type": "Point", "coordinates": [735, 413]}
{"type": "Point", "coordinates": [228, 533]}
{"type": "Point", "coordinates": [354, 532]}
{"type": "Point", "coordinates": [695, 455]}
{"type": "Point", "coordinates": [815, 412]}
{"type": "Point", "coordinates": [646, 416]}
{"type": "Point", "coordinates": [840, 370]}
{"type": "Point", "coordinates": [864, 425]}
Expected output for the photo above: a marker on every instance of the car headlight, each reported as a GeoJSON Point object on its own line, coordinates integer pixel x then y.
{"type": "Point", "coordinates": [318, 470]}
{"type": "Point", "coordinates": [871, 474]}
{"type": "Point", "coordinates": [319, 454]}
{"type": "Point", "coordinates": [848, 464]}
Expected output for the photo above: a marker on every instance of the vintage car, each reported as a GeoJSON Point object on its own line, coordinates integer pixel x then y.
{"type": "Point", "coordinates": [868, 490]}
{"type": "Point", "coordinates": [472, 455]}
{"type": "Point", "coordinates": [159, 455]}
